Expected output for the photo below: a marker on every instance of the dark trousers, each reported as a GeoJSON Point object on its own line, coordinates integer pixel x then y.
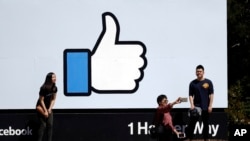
{"type": "Point", "coordinates": [205, 119]}
{"type": "Point", "coordinates": [166, 136]}
{"type": "Point", "coordinates": [45, 128]}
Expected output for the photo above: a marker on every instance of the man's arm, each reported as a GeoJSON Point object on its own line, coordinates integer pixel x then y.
{"type": "Point", "coordinates": [210, 106]}
{"type": "Point", "coordinates": [191, 101]}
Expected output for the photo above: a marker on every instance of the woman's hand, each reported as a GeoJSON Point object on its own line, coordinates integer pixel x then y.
{"type": "Point", "coordinates": [46, 114]}
{"type": "Point", "coordinates": [178, 100]}
{"type": "Point", "coordinates": [49, 111]}
{"type": "Point", "coordinates": [176, 132]}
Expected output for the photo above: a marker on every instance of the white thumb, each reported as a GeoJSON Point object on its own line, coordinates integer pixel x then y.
{"type": "Point", "coordinates": [110, 32]}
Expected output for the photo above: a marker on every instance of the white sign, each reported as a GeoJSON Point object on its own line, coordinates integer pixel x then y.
{"type": "Point", "coordinates": [152, 48]}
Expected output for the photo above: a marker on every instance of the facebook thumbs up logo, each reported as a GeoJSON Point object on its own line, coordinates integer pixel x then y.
{"type": "Point", "coordinates": [113, 66]}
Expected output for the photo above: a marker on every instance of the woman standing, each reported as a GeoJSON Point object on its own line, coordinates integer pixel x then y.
{"type": "Point", "coordinates": [45, 103]}
{"type": "Point", "coordinates": [163, 118]}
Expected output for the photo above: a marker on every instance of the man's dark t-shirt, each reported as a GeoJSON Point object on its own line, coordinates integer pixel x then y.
{"type": "Point", "coordinates": [201, 90]}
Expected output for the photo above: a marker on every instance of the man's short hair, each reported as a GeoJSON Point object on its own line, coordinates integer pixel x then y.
{"type": "Point", "coordinates": [200, 67]}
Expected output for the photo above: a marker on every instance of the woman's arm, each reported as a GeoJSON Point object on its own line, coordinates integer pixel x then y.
{"type": "Point", "coordinates": [41, 100]}
{"type": "Point", "coordinates": [177, 101]}
{"type": "Point", "coordinates": [41, 107]}
{"type": "Point", "coordinates": [52, 103]}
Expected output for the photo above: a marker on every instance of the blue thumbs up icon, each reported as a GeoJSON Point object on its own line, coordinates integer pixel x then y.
{"type": "Point", "coordinates": [77, 72]}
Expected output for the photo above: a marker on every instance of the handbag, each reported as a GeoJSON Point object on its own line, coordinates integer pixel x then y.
{"type": "Point", "coordinates": [196, 112]}
{"type": "Point", "coordinates": [160, 129]}
{"type": "Point", "coordinates": [156, 130]}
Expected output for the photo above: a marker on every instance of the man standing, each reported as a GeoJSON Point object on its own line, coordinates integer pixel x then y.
{"type": "Point", "coordinates": [201, 93]}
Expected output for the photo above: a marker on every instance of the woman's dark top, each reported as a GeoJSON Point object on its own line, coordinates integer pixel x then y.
{"type": "Point", "coordinates": [47, 93]}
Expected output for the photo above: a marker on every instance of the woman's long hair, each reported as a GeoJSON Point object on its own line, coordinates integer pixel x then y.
{"type": "Point", "coordinates": [48, 84]}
